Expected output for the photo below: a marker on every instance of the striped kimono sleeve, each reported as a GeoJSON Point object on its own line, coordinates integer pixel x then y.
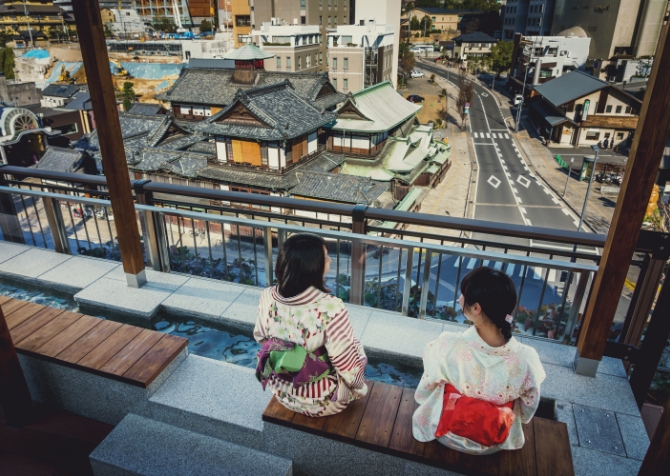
{"type": "Point", "coordinates": [347, 356]}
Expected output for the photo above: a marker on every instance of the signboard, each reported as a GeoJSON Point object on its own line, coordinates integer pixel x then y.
{"type": "Point", "coordinates": [585, 112]}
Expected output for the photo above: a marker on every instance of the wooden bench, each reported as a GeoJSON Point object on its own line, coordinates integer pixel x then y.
{"type": "Point", "coordinates": [382, 422]}
{"type": "Point", "coordinates": [117, 351]}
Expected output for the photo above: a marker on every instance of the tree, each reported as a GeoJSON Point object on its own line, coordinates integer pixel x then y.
{"type": "Point", "coordinates": [406, 58]}
{"type": "Point", "coordinates": [501, 56]}
{"type": "Point", "coordinates": [164, 24]}
{"type": "Point", "coordinates": [128, 95]}
{"type": "Point", "coordinates": [426, 24]}
{"type": "Point", "coordinates": [7, 62]}
{"type": "Point", "coordinates": [414, 24]}
{"type": "Point", "coordinates": [205, 25]}
{"type": "Point", "coordinates": [465, 94]}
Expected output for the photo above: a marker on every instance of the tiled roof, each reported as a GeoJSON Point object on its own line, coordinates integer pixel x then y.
{"type": "Point", "coordinates": [284, 113]}
{"type": "Point", "coordinates": [60, 90]}
{"type": "Point", "coordinates": [339, 187]}
{"type": "Point", "coordinates": [568, 87]}
{"type": "Point", "coordinates": [82, 102]}
{"type": "Point", "coordinates": [204, 147]}
{"type": "Point", "coordinates": [216, 88]}
{"type": "Point", "coordinates": [146, 109]}
{"type": "Point", "coordinates": [59, 159]}
{"type": "Point", "coordinates": [247, 53]}
{"type": "Point", "coordinates": [185, 164]}
{"type": "Point", "coordinates": [476, 37]}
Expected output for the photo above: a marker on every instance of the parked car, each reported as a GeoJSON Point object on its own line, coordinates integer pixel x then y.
{"type": "Point", "coordinates": [415, 98]}
{"type": "Point", "coordinates": [417, 74]}
{"type": "Point", "coordinates": [439, 58]}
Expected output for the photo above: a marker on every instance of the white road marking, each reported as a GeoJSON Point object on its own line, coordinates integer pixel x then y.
{"type": "Point", "coordinates": [523, 181]}
{"type": "Point", "coordinates": [545, 190]}
{"type": "Point", "coordinates": [483, 143]}
{"type": "Point", "coordinates": [523, 210]}
{"type": "Point", "coordinates": [476, 134]}
{"type": "Point", "coordinates": [493, 182]}
{"type": "Point", "coordinates": [553, 199]}
{"type": "Point", "coordinates": [484, 95]}
{"type": "Point", "coordinates": [518, 200]}
{"type": "Point", "coordinates": [528, 222]}
{"type": "Point", "coordinates": [502, 161]}
{"type": "Point", "coordinates": [576, 223]}
{"type": "Point", "coordinates": [472, 262]}
{"type": "Point", "coordinates": [506, 136]}
{"type": "Point", "coordinates": [515, 190]}
{"type": "Point", "coordinates": [488, 135]}
{"type": "Point", "coordinates": [565, 210]}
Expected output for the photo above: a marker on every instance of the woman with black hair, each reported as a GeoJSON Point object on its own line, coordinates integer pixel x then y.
{"type": "Point", "coordinates": [310, 357]}
{"type": "Point", "coordinates": [479, 385]}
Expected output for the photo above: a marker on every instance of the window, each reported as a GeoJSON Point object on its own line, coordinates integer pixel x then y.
{"type": "Point", "coordinates": [328, 2]}
{"type": "Point", "coordinates": [320, 58]}
{"type": "Point", "coordinates": [608, 109]}
{"type": "Point", "coordinates": [334, 20]}
{"type": "Point", "coordinates": [627, 109]}
{"type": "Point", "coordinates": [278, 62]}
{"type": "Point", "coordinates": [592, 135]}
{"type": "Point", "coordinates": [329, 20]}
{"type": "Point", "coordinates": [346, 64]}
{"type": "Point", "coordinates": [320, 3]}
{"type": "Point", "coordinates": [299, 62]}
{"type": "Point", "coordinates": [618, 109]}
{"type": "Point", "coordinates": [288, 62]}
{"type": "Point", "coordinates": [243, 38]}
{"type": "Point", "coordinates": [70, 128]}
{"type": "Point", "coordinates": [335, 83]}
{"type": "Point", "coordinates": [320, 20]}
{"type": "Point", "coordinates": [619, 135]}
{"type": "Point", "coordinates": [346, 84]}
{"type": "Point", "coordinates": [242, 20]}
{"type": "Point", "coordinates": [308, 61]}
{"type": "Point", "coordinates": [303, 20]}
{"type": "Point", "coordinates": [229, 151]}
{"type": "Point", "coordinates": [335, 3]}
{"type": "Point", "coordinates": [334, 63]}
{"type": "Point", "coordinates": [302, 3]}
{"type": "Point", "coordinates": [264, 154]}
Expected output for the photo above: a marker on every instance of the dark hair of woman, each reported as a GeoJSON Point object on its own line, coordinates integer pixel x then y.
{"type": "Point", "coordinates": [300, 264]}
{"type": "Point", "coordinates": [495, 293]}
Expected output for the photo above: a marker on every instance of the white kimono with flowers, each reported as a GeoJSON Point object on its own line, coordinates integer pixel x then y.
{"type": "Point", "coordinates": [512, 372]}
{"type": "Point", "coordinates": [314, 319]}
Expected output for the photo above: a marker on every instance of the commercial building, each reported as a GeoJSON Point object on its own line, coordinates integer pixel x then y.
{"type": "Point", "coordinates": [617, 27]}
{"type": "Point", "coordinates": [543, 58]}
{"type": "Point", "coordinates": [296, 47]}
{"type": "Point", "coordinates": [579, 109]}
{"type": "Point", "coordinates": [528, 17]}
{"type": "Point", "coordinates": [361, 55]}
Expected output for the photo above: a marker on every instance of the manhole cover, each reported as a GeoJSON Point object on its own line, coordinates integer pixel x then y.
{"type": "Point", "coordinates": [598, 429]}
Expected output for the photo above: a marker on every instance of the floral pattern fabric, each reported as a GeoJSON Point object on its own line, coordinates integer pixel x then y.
{"type": "Point", "coordinates": [314, 319]}
{"type": "Point", "coordinates": [499, 375]}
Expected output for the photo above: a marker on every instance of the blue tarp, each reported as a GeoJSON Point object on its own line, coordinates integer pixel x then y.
{"type": "Point", "coordinates": [149, 70]}
{"type": "Point", "coordinates": [37, 53]}
{"type": "Point", "coordinates": [72, 68]}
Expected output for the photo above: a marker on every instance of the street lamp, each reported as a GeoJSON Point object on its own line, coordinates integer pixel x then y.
{"type": "Point", "coordinates": [572, 161]}
{"type": "Point", "coordinates": [523, 90]}
{"type": "Point", "coordinates": [588, 189]}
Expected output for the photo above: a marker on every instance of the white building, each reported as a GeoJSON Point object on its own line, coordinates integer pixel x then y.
{"type": "Point", "coordinates": [361, 55]}
{"type": "Point", "coordinates": [126, 22]}
{"type": "Point", "coordinates": [296, 47]}
{"type": "Point", "coordinates": [385, 12]}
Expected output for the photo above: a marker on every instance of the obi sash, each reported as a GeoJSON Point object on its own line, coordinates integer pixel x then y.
{"type": "Point", "coordinates": [291, 362]}
{"type": "Point", "coordinates": [478, 420]}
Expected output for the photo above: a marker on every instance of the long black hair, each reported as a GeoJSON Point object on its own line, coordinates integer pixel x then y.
{"type": "Point", "coordinates": [494, 291]}
{"type": "Point", "coordinates": [300, 264]}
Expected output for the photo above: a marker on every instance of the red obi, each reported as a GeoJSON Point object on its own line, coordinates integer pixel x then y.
{"type": "Point", "coordinates": [480, 421]}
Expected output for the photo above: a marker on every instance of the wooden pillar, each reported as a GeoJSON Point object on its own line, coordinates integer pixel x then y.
{"type": "Point", "coordinates": [96, 64]}
{"type": "Point", "coordinates": [641, 171]}
{"type": "Point", "coordinates": [14, 394]}
{"type": "Point", "coordinates": [657, 459]}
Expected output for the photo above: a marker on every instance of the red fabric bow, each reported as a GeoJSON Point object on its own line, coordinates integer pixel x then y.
{"type": "Point", "coordinates": [480, 421]}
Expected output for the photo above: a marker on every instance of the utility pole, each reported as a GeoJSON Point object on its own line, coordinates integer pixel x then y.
{"type": "Point", "coordinates": [25, 12]}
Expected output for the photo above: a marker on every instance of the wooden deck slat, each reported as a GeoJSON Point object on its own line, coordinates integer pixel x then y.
{"type": "Point", "coordinates": [66, 337]}
{"type": "Point", "coordinates": [442, 456]}
{"type": "Point", "coordinates": [4, 299]}
{"type": "Point", "coordinates": [312, 423]}
{"type": "Point", "coordinates": [33, 324]}
{"type": "Point", "coordinates": [402, 439]}
{"type": "Point", "coordinates": [277, 413]}
{"type": "Point", "coordinates": [89, 341]}
{"type": "Point", "coordinates": [21, 314]}
{"type": "Point", "coordinates": [156, 359]}
{"type": "Point", "coordinates": [520, 462]}
{"type": "Point", "coordinates": [552, 459]}
{"type": "Point", "coordinates": [376, 425]}
{"type": "Point", "coordinates": [38, 338]}
{"type": "Point", "coordinates": [345, 425]}
{"type": "Point", "coordinates": [15, 304]}
{"type": "Point", "coordinates": [110, 347]}
{"type": "Point", "coordinates": [132, 352]}
{"type": "Point", "coordinates": [482, 464]}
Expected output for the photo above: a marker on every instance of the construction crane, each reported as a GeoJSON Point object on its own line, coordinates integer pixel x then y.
{"type": "Point", "coordinates": [177, 17]}
{"type": "Point", "coordinates": [121, 71]}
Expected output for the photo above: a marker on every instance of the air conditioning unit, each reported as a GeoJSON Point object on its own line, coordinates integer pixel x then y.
{"type": "Point", "coordinates": [563, 53]}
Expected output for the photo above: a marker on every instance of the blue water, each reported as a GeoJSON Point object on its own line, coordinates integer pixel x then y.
{"type": "Point", "coordinates": [217, 343]}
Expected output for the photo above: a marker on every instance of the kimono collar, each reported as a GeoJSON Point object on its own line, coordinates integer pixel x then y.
{"type": "Point", "coordinates": [471, 336]}
{"type": "Point", "coordinates": [309, 295]}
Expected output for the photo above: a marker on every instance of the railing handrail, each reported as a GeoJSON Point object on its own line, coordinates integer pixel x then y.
{"type": "Point", "coordinates": [424, 219]}
{"type": "Point", "coordinates": [338, 235]}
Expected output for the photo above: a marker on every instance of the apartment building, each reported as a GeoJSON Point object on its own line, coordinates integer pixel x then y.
{"type": "Point", "coordinates": [528, 17]}
{"type": "Point", "coordinates": [150, 10]}
{"type": "Point", "coordinates": [42, 17]}
{"type": "Point", "coordinates": [324, 13]}
{"type": "Point", "coordinates": [360, 56]}
{"type": "Point", "coordinates": [297, 48]}
{"type": "Point", "coordinates": [241, 14]}
{"type": "Point", "coordinates": [385, 12]}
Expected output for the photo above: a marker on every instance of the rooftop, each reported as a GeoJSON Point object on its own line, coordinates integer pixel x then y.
{"type": "Point", "coordinates": [247, 53]}
{"type": "Point", "coordinates": [568, 87]}
{"type": "Point", "coordinates": [476, 37]}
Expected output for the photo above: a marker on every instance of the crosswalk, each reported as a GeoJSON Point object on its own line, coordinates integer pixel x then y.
{"type": "Point", "coordinates": [490, 135]}
{"type": "Point", "coordinates": [533, 272]}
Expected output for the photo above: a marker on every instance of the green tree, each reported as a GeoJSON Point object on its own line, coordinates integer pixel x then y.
{"type": "Point", "coordinates": [128, 95]}
{"type": "Point", "coordinates": [7, 62]}
{"type": "Point", "coordinates": [406, 58]}
{"type": "Point", "coordinates": [501, 56]}
{"type": "Point", "coordinates": [164, 24]}
{"type": "Point", "coordinates": [205, 25]}
{"type": "Point", "coordinates": [414, 23]}
{"type": "Point", "coordinates": [426, 24]}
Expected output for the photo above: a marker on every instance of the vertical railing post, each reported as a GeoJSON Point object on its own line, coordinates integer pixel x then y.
{"type": "Point", "coordinates": [407, 290]}
{"type": "Point", "coordinates": [576, 303]}
{"type": "Point", "coordinates": [9, 219]}
{"type": "Point", "coordinates": [56, 225]}
{"type": "Point", "coordinates": [268, 256]}
{"type": "Point", "coordinates": [153, 229]}
{"type": "Point", "coordinates": [358, 257]}
{"type": "Point", "coordinates": [14, 393]}
{"type": "Point", "coordinates": [425, 284]}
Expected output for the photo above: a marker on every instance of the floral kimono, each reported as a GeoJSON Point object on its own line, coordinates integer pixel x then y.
{"type": "Point", "coordinates": [504, 376]}
{"type": "Point", "coordinates": [313, 320]}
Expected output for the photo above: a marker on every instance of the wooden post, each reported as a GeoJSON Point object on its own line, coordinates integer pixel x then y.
{"type": "Point", "coordinates": [96, 64]}
{"type": "Point", "coordinates": [657, 459]}
{"type": "Point", "coordinates": [14, 394]}
{"type": "Point", "coordinates": [641, 170]}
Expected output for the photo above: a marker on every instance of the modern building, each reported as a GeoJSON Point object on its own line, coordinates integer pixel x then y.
{"type": "Point", "coordinates": [327, 14]}
{"type": "Point", "coordinates": [296, 47]}
{"type": "Point", "coordinates": [579, 109]}
{"type": "Point", "coordinates": [617, 27]}
{"type": "Point", "coordinates": [528, 17]}
{"type": "Point", "coordinates": [43, 17]}
{"type": "Point", "coordinates": [472, 45]}
{"type": "Point", "coordinates": [384, 12]}
{"type": "Point", "coordinates": [241, 14]}
{"type": "Point", "coordinates": [123, 22]}
{"type": "Point", "coordinates": [152, 11]}
{"type": "Point", "coordinates": [543, 58]}
{"type": "Point", "coordinates": [361, 55]}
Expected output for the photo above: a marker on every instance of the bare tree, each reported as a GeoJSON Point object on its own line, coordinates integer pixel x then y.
{"type": "Point", "coordinates": [465, 94]}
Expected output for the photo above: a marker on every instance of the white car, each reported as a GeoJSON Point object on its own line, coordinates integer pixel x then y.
{"type": "Point", "coordinates": [417, 74]}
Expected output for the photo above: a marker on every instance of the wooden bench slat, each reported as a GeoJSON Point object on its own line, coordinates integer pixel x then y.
{"type": "Point", "coordinates": [89, 341]}
{"type": "Point", "coordinates": [551, 458]}
{"type": "Point", "coordinates": [344, 425]}
{"type": "Point", "coordinates": [520, 462]}
{"type": "Point", "coordinates": [376, 425]}
{"type": "Point", "coordinates": [312, 423]}
{"type": "Point", "coordinates": [4, 299]}
{"type": "Point", "coordinates": [15, 304]}
{"type": "Point", "coordinates": [21, 314]}
{"type": "Point", "coordinates": [402, 439]}
{"type": "Point", "coordinates": [156, 359]}
{"type": "Point", "coordinates": [481, 464]}
{"type": "Point", "coordinates": [110, 347]}
{"type": "Point", "coordinates": [441, 456]}
{"type": "Point", "coordinates": [33, 324]}
{"type": "Point", "coordinates": [48, 331]}
{"type": "Point", "coordinates": [132, 352]}
{"type": "Point", "coordinates": [66, 337]}
{"type": "Point", "coordinates": [277, 413]}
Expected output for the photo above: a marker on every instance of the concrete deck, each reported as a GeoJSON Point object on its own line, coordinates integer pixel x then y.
{"type": "Point", "coordinates": [385, 335]}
